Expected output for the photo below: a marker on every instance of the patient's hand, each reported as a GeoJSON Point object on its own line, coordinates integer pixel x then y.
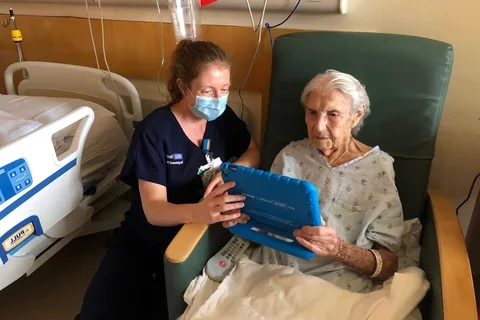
{"type": "Point", "coordinates": [230, 223]}
{"type": "Point", "coordinates": [323, 241]}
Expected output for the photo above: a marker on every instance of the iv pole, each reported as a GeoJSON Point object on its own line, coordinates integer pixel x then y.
{"type": "Point", "coordinates": [16, 37]}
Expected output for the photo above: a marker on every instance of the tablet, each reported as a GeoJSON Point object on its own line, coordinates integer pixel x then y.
{"type": "Point", "coordinates": [276, 204]}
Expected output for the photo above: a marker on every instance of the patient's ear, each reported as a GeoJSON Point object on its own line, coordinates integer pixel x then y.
{"type": "Point", "coordinates": [358, 115]}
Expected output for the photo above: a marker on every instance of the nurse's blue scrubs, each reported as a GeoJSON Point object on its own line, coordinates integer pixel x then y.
{"type": "Point", "coordinates": [130, 283]}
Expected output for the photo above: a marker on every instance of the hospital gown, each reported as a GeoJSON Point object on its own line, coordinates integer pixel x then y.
{"type": "Point", "coordinates": [359, 199]}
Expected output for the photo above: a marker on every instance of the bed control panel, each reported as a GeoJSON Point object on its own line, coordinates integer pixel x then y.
{"type": "Point", "coordinates": [15, 177]}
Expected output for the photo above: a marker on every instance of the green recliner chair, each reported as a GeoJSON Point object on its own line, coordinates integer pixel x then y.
{"type": "Point", "coordinates": [406, 78]}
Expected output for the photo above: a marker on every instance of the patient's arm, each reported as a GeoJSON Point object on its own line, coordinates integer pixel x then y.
{"type": "Point", "coordinates": [324, 242]}
{"type": "Point", "coordinates": [363, 260]}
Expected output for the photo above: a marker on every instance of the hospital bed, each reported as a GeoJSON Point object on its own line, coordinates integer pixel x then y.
{"type": "Point", "coordinates": [63, 141]}
{"type": "Point", "coordinates": [407, 79]}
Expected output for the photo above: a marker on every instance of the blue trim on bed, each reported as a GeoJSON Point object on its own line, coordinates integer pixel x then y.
{"type": "Point", "coordinates": [5, 212]}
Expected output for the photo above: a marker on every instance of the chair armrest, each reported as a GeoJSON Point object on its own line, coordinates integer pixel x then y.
{"type": "Point", "coordinates": [457, 284]}
{"type": "Point", "coordinates": [185, 258]}
{"type": "Point", "coordinates": [184, 242]}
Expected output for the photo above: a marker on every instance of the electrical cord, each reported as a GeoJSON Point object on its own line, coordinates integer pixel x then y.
{"type": "Point", "coordinates": [269, 27]}
{"type": "Point", "coordinates": [469, 193]}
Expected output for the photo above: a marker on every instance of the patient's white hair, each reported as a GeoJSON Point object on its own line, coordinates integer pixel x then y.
{"type": "Point", "coordinates": [347, 85]}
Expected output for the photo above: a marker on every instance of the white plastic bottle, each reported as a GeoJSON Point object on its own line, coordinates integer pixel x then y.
{"type": "Point", "coordinates": [185, 15]}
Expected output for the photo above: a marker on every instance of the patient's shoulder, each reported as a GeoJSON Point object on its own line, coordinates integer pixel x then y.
{"type": "Point", "coordinates": [295, 147]}
{"type": "Point", "coordinates": [291, 156]}
{"type": "Point", "coordinates": [383, 162]}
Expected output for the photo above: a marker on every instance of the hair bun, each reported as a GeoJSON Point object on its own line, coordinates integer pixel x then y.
{"type": "Point", "coordinates": [184, 44]}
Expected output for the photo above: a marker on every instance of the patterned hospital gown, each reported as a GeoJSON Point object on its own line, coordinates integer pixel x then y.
{"type": "Point", "coordinates": [359, 199]}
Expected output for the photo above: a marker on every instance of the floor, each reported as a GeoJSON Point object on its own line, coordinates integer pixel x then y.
{"type": "Point", "coordinates": [55, 290]}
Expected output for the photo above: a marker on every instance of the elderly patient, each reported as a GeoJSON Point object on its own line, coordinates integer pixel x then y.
{"type": "Point", "coordinates": [361, 209]}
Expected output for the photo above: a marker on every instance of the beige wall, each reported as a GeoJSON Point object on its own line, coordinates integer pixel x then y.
{"type": "Point", "coordinates": [458, 147]}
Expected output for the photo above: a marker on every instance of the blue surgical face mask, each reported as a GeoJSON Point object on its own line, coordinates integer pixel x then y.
{"type": "Point", "coordinates": [209, 108]}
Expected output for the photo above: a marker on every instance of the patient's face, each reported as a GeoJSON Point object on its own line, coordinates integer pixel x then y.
{"type": "Point", "coordinates": [329, 120]}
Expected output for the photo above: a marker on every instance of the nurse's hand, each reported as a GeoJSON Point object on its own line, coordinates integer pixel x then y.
{"type": "Point", "coordinates": [217, 202]}
{"type": "Point", "coordinates": [216, 181]}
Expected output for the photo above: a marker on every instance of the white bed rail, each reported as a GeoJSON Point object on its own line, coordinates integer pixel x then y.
{"type": "Point", "coordinates": [77, 82]}
{"type": "Point", "coordinates": [37, 189]}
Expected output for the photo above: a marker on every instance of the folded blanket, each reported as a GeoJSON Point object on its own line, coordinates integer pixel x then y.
{"type": "Point", "coordinates": [252, 291]}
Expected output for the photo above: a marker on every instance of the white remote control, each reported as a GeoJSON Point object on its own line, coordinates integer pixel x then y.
{"type": "Point", "coordinates": [223, 262]}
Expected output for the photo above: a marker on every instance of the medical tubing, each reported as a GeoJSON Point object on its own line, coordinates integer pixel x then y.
{"type": "Point", "coordinates": [91, 34]}
{"type": "Point", "coordinates": [105, 55]}
{"type": "Point", "coordinates": [260, 25]}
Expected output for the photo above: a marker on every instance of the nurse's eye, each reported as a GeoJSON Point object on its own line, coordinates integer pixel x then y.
{"type": "Point", "coordinates": [207, 92]}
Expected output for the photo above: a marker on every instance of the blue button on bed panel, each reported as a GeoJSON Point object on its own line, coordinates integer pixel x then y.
{"type": "Point", "coordinates": [15, 178]}
{"type": "Point", "coordinates": [2, 199]}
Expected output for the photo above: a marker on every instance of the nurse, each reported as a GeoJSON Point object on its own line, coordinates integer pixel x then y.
{"type": "Point", "coordinates": [167, 150]}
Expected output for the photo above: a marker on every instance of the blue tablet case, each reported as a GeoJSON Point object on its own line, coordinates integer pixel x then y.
{"type": "Point", "coordinates": [276, 204]}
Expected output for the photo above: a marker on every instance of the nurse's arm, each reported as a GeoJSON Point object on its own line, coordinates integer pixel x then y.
{"type": "Point", "coordinates": [251, 157]}
{"type": "Point", "coordinates": [158, 211]}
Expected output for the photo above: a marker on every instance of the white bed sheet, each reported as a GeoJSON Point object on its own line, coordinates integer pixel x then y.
{"type": "Point", "coordinates": [105, 145]}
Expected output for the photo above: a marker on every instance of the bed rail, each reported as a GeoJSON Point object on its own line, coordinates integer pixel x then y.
{"type": "Point", "coordinates": [64, 80]}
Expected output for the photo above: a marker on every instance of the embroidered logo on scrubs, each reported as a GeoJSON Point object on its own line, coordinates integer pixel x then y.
{"type": "Point", "coordinates": [175, 158]}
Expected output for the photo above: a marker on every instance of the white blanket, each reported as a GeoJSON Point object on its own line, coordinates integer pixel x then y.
{"type": "Point", "coordinates": [254, 291]}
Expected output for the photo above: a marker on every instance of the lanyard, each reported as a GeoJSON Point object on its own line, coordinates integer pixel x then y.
{"type": "Point", "coordinates": [206, 150]}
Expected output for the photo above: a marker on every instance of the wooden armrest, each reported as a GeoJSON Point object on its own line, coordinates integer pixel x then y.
{"type": "Point", "coordinates": [457, 285]}
{"type": "Point", "coordinates": [184, 242]}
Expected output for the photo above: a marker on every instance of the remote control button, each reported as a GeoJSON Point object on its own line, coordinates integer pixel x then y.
{"type": "Point", "coordinates": [222, 263]}
{"type": "Point", "coordinates": [228, 257]}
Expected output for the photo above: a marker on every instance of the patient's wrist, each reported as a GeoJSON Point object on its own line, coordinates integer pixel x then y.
{"type": "Point", "coordinates": [340, 251]}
